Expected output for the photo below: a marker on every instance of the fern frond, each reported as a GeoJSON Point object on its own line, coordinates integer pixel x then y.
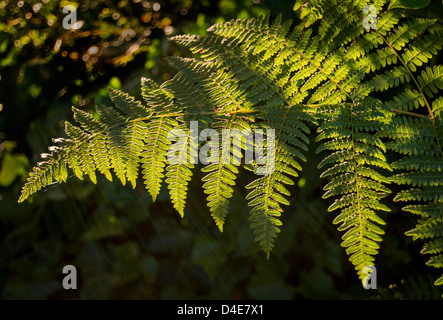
{"type": "Point", "coordinates": [357, 194]}
{"type": "Point", "coordinates": [431, 80]}
{"type": "Point", "coordinates": [179, 169]}
{"type": "Point", "coordinates": [253, 76]}
{"type": "Point", "coordinates": [409, 30]}
{"type": "Point", "coordinates": [222, 169]}
{"type": "Point", "coordinates": [422, 50]}
{"type": "Point", "coordinates": [270, 192]}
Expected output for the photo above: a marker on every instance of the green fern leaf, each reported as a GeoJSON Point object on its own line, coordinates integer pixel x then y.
{"type": "Point", "coordinates": [357, 193]}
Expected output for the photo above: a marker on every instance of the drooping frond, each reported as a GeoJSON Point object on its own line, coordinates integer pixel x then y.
{"type": "Point", "coordinates": [356, 157]}
{"type": "Point", "coordinates": [286, 138]}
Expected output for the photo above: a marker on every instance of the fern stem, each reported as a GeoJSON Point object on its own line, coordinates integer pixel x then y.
{"type": "Point", "coordinates": [408, 113]}
{"type": "Point", "coordinates": [198, 113]}
{"type": "Point", "coordinates": [319, 105]}
{"type": "Point", "coordinates": [357, 185]}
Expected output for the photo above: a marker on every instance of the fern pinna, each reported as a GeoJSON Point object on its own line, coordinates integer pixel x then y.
{"type": "Point", "coordinates": [356, 154]}
{"type": "Point", "coordinates": [281, 81]}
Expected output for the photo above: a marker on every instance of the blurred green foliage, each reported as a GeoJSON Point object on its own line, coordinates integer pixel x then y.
{"type": "Point", "coordinates": [123, 245]}
{"type": "Point", "coordinates": [12, 165]}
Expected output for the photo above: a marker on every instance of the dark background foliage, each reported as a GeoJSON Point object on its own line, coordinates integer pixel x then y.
{"type": "Point", "coordinates": [123, 245]}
